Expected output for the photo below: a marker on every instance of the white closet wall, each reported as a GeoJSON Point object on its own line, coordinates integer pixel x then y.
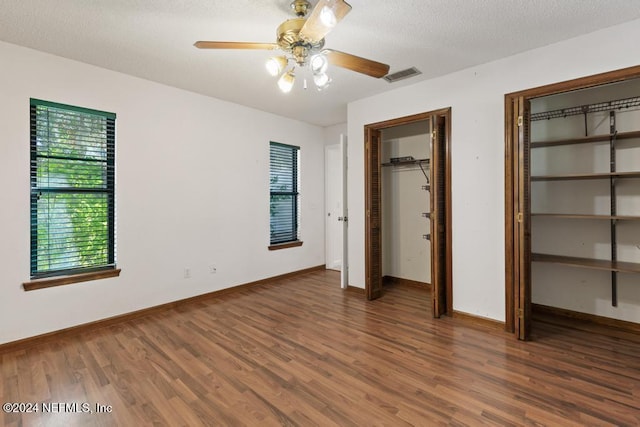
{"type": "Point", "coordinates": [405, 252]}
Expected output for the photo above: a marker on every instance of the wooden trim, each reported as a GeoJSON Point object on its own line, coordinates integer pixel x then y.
{"type": "Point", "coordinates": [448, 214]}
{"type": "Point", "coordinates": [509, 207]}
{"type": "Point", "coordinates": [580, 83]}
{"type": "Point", "coordinates": [402, 120]}
{"type": "Point", "coordinates": [512, 177]}
{"type": "Point", "coordinates": [67, 280]}
{"type": "Point", "coordinates": [121, 318]}
{"type": "Point", "coordinates": [391, 280]}
{"type": "Point", "coordinates": [592, 318]}
{"type": "Point", "coordinates": [279, 246]}
{"type": "Point", "coordinates": [484, 322]}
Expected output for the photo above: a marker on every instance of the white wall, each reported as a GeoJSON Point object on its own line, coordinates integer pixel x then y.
{"type": "Point", "coordinates": [476, 96]}
{"type": "Point", "coordinates": [332, 133]}
{"type": "Point", "coordinates": [192, 190]}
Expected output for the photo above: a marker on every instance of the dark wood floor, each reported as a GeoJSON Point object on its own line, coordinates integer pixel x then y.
{"type": "Point", "coordinates": [303, 352]}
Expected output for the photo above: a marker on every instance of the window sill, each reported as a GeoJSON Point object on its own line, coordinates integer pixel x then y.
{"type": "Point", "coordinates": [67, 280]}
{"type": "Point", "coordinates": [285, 245]}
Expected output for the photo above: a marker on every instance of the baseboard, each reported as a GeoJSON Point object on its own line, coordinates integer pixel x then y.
{"type": "Point", "coordinates": [355, 290]}
{"type": "Point", "coordinates": [622, 325]}
{"type": "Point", "coordinates": [78, 329]}
{"type": "Point", "coordinates": [484, 322]}
{"type": "Point", "coordinates": [391, 280]}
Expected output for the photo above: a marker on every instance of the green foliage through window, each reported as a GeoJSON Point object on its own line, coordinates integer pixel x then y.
{"type": "Point", "coordinates": [72, 189]}
{"type": "Point", "coordinates": [283, 186]}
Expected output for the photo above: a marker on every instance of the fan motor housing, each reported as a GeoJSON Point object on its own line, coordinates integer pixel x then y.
{"type": "Point", "coordinates": [288, 38]}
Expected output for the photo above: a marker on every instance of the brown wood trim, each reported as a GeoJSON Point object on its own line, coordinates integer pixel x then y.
{"type": "Point", "coordinates": [580, 83]}
{"type": "Point", "coordinates": [448, 214]}
{"type": "Point", "coordinates": [509, 207]}
{"type": "Point", "coordinates": [592, 318]}
{"type": "Point", "coordinates": [408, 119]}
{"type": "Point", "coordinates": [356, 290]}
{"type": "Point", "coordinates": [285, 245]}
{"type": "Point", "coordinates": [391, 280]}
{"type": "Point", "coordinates": [78, 329]}
{"type": "Point", "coordinates": [67, 280]}
{"type": "Point", "coordinates": [484, 322]}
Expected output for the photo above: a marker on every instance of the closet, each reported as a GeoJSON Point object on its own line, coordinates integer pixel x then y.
{"type": "Point", "coordinates": [585, 201]}
{"type": "Point", "coordinates": [405, 194]}
{"type": "Point", "coordinates": [408, 199]}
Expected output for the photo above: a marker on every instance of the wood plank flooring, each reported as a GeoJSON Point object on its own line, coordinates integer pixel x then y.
{"type": "Point", "coordinates": [302, 352]}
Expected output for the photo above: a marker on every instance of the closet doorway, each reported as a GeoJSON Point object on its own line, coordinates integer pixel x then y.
{"type": "Point", "coordinates": [435, 191]}
{"type": "Point", "coordinates": [589, 177]}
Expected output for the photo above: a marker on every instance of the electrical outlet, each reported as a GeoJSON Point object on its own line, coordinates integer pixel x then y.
{"type": "Point", "coordinates": [212, 269]}
{"type": "Point", "coordinates": [187, 273]}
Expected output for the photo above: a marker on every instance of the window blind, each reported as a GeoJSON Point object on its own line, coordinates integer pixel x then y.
{"type": "Point", "coordinates": [72, 189]}
{"type": "Point", "coordinates": [283, 183]}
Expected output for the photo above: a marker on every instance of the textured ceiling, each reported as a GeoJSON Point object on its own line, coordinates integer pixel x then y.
{"type": "Point", "coordinates": [153, 39]}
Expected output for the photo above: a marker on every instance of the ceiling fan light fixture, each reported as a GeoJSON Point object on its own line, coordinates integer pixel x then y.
{"type": "Point", "coordinates": [301, 42]}
{"type": "Point", "coordinates": [276, 64]}
{"type": "Point", "coordinates": [286, 81]}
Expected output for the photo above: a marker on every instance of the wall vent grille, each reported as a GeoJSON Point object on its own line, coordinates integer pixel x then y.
{"type": "Point", "coordinates": [402, 74]}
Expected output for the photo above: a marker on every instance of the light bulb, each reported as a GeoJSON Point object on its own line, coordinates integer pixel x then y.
{"type": "Point", "coordinates": [318, 64]}
{"type": "Point", "coordinates": [327, 17]}
{"type": "Point", "coordinates": [321, 80]}
{"type": "Point", "coordinates": [276, 64]}
{"type": "Point", "coordinates": [285, 83]}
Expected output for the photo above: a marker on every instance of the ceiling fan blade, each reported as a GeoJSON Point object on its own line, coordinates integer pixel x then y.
{"type": "Point", "coordinates": [234, 45]}
{"type": "Point", "coordinates": [325, 15]}
{"type": "Point", "coordinates": [357, 64]}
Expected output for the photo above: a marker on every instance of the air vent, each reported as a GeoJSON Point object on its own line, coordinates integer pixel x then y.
{"type": "Point", "coordinates": [403, 74]}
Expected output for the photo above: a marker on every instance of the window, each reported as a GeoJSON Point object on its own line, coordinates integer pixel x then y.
{"type": "Point", "coordinates": [72, 190]}
{"type": "Point", "coordinates": [283, 203]}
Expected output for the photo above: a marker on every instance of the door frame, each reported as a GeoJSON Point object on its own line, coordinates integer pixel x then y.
{"type": "Point", "coordinates": [373, 261]}
{"type": "Point", "coordinates": [517, 183]}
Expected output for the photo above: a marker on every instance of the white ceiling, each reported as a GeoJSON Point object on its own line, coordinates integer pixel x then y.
{"type": "Point", "coordinates": [153, 39]}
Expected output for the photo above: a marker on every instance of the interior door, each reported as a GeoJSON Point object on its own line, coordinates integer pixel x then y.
{"type": "Point", "coordinates": [438, 216]}
{"type": "Point", "coordinates": [344, 272]}
{"type": "Point", "coordinates": [373, 238]}
{"type": "Point", "coordinates": [334, 207]}
{"type": "Point", "coordinates": [522, 220]}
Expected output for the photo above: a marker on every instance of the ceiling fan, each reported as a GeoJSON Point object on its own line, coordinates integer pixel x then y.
{"type": "Point", "coordinates": [302, 41]}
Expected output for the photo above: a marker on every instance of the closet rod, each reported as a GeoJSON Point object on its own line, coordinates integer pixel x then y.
{"type": "Point", "coordinates": [588, 108]}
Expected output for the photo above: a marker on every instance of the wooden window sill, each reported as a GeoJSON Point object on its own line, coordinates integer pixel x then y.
{"type": "Point", "coordinates": [285, 245]}
{"type": "Point", "coordinates": [67, 280]}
